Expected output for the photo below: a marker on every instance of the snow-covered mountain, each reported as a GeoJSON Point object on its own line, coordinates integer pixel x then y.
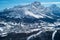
{"type": "Point", "coordinates": [31, 11]}
{"type": "Point", "coordinates": [35, 10]}
{"type": "Point", "coordinates": [29, 18]}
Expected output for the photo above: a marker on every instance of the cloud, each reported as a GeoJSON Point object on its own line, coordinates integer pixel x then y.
{"type": "Point", "coordinates": [50, 3]}
{"type": "Point", "coordinates": [42, 3]}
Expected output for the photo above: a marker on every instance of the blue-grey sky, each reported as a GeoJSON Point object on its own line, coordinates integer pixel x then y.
{"type": "Point", "coordinates": [11, 3]}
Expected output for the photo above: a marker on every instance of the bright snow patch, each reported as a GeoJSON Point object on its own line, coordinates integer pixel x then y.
{"type": "Point", "coordinates": [32, 14]}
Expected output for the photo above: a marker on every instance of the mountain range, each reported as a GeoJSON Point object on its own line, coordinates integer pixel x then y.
{"type": "Point", "coordinates": [29, 18]}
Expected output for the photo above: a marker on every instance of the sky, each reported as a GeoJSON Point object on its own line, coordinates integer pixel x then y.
{"type": "Point", "coordinates": [10, 3]}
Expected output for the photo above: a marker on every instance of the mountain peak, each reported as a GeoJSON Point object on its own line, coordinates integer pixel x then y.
{"type": "Point", "coordinates": [36, 3]}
